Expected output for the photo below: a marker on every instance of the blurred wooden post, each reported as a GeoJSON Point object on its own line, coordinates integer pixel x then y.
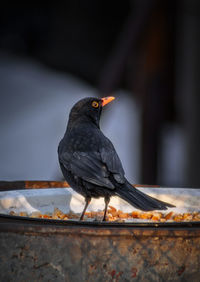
{"type": "Point", "coordinates": [156, 90]}
{"type": "Point", "coordinates": [151, 79]}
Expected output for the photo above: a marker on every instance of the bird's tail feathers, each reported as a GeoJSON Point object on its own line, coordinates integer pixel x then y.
{"type": "Point", "coordinates": [140, 200]}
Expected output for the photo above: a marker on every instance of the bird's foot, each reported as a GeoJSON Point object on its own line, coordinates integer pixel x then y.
{"type": "Point", "coordinates": [104, 219]}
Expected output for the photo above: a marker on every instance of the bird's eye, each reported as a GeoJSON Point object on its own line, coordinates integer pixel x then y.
{"type": "Point", "coordinates": [95, 104]}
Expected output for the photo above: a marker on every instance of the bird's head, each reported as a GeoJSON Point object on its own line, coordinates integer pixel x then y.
{"type": "Point", "coordinates": [88, 109]}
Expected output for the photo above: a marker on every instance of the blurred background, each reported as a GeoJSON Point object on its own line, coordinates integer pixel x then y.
{"type": "Point", "coordinates": [145, 53]}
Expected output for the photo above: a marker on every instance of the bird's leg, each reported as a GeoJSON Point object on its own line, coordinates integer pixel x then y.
{"type": "Point", "coordinates": [87, 201]}
{"type": "Point", "coordinates": [107, 200]}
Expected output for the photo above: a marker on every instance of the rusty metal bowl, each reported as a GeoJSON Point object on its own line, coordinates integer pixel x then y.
{"type": "Point", "coordinates": [56, 250]}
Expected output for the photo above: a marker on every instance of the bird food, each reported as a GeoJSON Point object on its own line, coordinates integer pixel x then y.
{"type": "Point", "coordinates": [65, 204]}
{"type": "Point", "coordinates": [114, 215]}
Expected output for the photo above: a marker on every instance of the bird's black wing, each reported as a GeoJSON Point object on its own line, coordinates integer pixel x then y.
{"type": "Point", "coordinates": [112, 161]}
{"type": "Point", "coordinates": [88, 166]}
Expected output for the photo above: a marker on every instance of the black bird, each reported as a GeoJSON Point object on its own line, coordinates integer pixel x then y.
{"type": "Point", "coordinates": [90, 164]}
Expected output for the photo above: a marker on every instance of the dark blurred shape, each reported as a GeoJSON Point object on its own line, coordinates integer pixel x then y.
{"type": "Point", "coordinates": [188, 85]}
{"type": "Point", "coordinates": [125, 47]}
{"type": "Point", "coordinates": [73, 36]}
{"type": "Point", "coordinates": [154, 83]}
{"type": "Point", "coordinates": [146, 46]}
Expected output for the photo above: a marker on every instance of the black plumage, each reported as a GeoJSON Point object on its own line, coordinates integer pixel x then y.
{"type": "Point", "coordinates": [90, 164]}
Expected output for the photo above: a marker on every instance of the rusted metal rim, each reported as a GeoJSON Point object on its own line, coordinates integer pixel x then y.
{"type": "Point", "coordinates": [27, 184]}
{"type": "Point", "coordinates": [93, 230]}
{"type": "Point", "coordinates": [20, 220]}
{"type": "Point", "coordinates": [44, 184]}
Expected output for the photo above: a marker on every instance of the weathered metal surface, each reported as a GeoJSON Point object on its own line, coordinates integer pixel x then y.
{"type": "Point", "coordinates": [31, 251]}
{"type": "Point", "coordinates": [52, 250]}
{"type": "Point", "coordinates": [27, 184]}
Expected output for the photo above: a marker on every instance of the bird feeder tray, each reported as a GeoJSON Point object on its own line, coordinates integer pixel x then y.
{"type": "Point", "coordinates": [91, 250]}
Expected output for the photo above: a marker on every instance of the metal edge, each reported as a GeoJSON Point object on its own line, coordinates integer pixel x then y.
{"type": "Point", "coordinates": [163, 225]}
{"type": "Point", "coordinates": [44, 184]}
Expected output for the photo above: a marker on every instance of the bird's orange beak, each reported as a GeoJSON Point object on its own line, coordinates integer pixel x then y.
{"type": "Point", "coordinates": [106, 100]}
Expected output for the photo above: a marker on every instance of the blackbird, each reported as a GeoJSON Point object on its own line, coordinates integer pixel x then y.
{"type": "Point", "coordinates": [90, 164]}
